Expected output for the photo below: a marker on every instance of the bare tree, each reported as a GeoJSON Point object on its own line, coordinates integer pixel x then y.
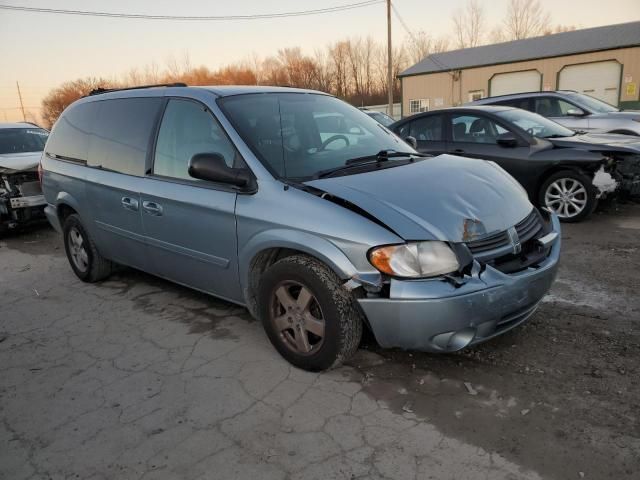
{"type": "Point", "coordinates": [339, 57]}
{"type": "Point", "coordinates": [421, 45]}
{"type": "Point", "coordinates": [468, 24]}
{"type": "Point", "coordinates": [524, 19]}
{"type": "Point", "coordinates": [558, 29]}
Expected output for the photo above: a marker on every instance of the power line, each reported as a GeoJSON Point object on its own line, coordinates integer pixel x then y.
{"type": "Point", "coordinates": [143, 16]}
{"type": "Point", "coordinates": [432, 56]}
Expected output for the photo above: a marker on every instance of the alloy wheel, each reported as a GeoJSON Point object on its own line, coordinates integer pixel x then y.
{"type": "Point", "coordinates": [567, 197]}
{"type": "Point", "coordinates": [297, 317]}
{"type": "Point", "coordinates": [78, 253]}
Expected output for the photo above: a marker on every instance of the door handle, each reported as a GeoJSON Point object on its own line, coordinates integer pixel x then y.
{"type": "Point", "coordinates": [152, 208]}
{"type": "Point", "coordinates": [130, 203]}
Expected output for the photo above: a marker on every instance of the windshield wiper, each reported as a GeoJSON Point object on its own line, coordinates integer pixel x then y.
{"type": "Point", "coordinates": [381, 156]}
{"type": "Point", "coordinates": [377, 159]}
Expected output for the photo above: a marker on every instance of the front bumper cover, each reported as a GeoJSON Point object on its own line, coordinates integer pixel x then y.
{"type": "Point", "coordinates": [433, 315]}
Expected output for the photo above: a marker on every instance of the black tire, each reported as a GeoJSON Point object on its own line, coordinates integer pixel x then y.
{"type": "Point", "coordinates": [97, 267]}
{"type": "Point", "coordinates": [337, 306]}
{"type": "Point", "coordinates": [570, 177]}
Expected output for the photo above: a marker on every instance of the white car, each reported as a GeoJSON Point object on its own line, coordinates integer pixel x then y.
{"type": "Point", "coordinates": [21, 199]}
{"type": "Point", "coordinates": [573, 110]}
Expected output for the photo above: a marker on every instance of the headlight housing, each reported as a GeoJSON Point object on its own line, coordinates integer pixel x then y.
{"type": "Point", "coordinates": [414, 259]}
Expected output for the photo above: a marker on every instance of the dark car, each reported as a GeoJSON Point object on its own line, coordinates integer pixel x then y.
{"type": "Point", "coordinates": [560, 169]}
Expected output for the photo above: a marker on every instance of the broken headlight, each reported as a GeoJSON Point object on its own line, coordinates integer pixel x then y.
{"type": "Point", "coordinates": [415, 259]}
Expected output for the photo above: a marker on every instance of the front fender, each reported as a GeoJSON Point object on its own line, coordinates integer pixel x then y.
{"type": "Point", "coordinates": [313, 245]}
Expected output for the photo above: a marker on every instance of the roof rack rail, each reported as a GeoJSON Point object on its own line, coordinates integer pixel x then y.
{"type": "Point", "coordinates": [100, 90]}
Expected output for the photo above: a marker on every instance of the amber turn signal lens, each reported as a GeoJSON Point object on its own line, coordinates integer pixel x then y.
{"type": "Point", "coordinates": [381, 259]}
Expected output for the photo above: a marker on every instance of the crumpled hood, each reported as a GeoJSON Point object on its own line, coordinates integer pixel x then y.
{"type": "Point", "coordinates": [446, 198]}
{"type": "Point", "coordinates": [20, 162]}
{"type": "Point", "coordinates": [599, 141]}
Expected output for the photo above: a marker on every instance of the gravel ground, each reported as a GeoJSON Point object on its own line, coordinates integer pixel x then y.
{"type": "Point", "coordinates": [138, 378]}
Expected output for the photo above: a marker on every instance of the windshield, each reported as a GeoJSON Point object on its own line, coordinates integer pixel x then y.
{"type": "Point", "coordinates": [535, 124]}
{"type": "Point", "coordinates": [21, 140]}
{"type": "Point", "coordinates": [297, 135]}
{"type": "Point", "coordinates": [382, 118]}
{"type": "Point", "coordinates": [592, 104]}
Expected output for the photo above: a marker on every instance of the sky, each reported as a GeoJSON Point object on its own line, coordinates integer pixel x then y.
{"type": "Point", "coordinates": [40, 51]}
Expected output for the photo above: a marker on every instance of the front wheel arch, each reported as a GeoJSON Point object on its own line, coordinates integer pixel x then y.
{"type": "Point", "coordinates": [575, 175]}
{"type": "Point", "coordinates": [624, 132]}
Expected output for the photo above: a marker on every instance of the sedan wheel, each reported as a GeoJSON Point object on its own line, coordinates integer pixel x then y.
{"type": "Point", "coordinates": [567, 197]}
{"type": "Point", "coordinates": [298, 318]}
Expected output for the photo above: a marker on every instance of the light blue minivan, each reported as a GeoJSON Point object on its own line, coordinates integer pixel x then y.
{"type": "Point", "coordinates": [302, 208]}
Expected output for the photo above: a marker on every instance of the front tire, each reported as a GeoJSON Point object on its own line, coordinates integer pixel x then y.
{"type": "Point", "coordinates": [569, 194]}
{"type": "Point", "coordinates": [311, 320]}
{"type": "Point", "coordinates": [84, 258]}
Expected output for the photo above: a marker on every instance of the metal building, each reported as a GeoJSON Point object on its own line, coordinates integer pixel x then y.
{"type": "Point", "coordinates": [603, 62]}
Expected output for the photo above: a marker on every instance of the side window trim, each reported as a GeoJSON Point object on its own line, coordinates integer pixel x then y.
{"type": "Point", "coordinates": [151, 151]}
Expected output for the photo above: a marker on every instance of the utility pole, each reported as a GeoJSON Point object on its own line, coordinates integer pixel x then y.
{"type": "Point", "coordinates": [24, 117]}
{"type": "Point", "coordinates": [389, 62]}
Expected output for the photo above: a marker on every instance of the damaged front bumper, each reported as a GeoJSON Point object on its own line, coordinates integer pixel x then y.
{"type": "Point", "coordinates": [436, 316]}
{"type": "Point", "coordinates": [21, 199]}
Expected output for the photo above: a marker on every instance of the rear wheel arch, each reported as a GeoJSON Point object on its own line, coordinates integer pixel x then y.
{"type": "Point", "coordinates": [63, 211]}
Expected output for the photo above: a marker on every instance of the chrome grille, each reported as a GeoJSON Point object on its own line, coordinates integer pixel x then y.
{"type": "Point", "coordinates": [526, 229]}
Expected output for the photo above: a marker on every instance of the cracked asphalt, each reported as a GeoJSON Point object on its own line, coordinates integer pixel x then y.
{"type": "Point", "coordinates": [137, 378]}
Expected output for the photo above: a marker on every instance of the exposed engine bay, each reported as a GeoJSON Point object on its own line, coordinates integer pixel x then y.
{"type": "Point", "coordinates": [21, 199]}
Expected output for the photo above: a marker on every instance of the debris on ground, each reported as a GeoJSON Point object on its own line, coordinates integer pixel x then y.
{"type": "Point", "coordinates": [470, 389]}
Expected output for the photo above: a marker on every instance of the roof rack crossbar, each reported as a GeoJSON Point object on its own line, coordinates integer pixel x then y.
{"type": "Point", "coordinates": [100, 90]}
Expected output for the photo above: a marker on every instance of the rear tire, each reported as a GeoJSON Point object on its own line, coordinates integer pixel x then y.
{"type": "Point", "coordinates": [569, 194]}
{"type": "Point", "coordinates": [84, 258]}
{"type": "Point", "coordinates": [311, 320]}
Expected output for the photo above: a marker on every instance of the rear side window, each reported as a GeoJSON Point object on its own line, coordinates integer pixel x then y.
{"type": "Point", "coordinates": [427, 129]}
{"type": "Point", "coordinates": [522, 103]}
{"type": "Point", "coordinates": [121, 134]}
{"type": "Point", "coordinates": [69, 138]}
{"type": "Point", "coordinates": [552, 107]}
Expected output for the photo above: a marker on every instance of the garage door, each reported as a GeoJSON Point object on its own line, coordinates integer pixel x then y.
{"type": "Point", "coordinates": [600, 80]}
{"type": "Point", "coordinates": [514, 82]}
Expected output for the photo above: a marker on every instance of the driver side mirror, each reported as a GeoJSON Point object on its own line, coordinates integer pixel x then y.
{"type": "Point", "coordinates": [576, 112]}
{"type": "Point", "coordinates": [507, 139]}
{"type": "Point", "coordinates": [413, 143]}
{"type": "Point", "coordinates": [212, 167]}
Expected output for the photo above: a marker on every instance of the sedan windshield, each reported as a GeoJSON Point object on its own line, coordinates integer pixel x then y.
{"type": "Point", "coordinates": [298, 135]}
{"type": "Point", "coordinates": [382, 118]}
{"type": "Point", "coordinates": [535, 124]}
{"type": "Point", "coordinates": [592, 104]}
{"type": "Point", "coordinates": [22, 140]}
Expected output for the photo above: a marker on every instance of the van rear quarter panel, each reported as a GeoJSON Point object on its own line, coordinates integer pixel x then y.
{"type": "Point", "coordinates": [64, 183]}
